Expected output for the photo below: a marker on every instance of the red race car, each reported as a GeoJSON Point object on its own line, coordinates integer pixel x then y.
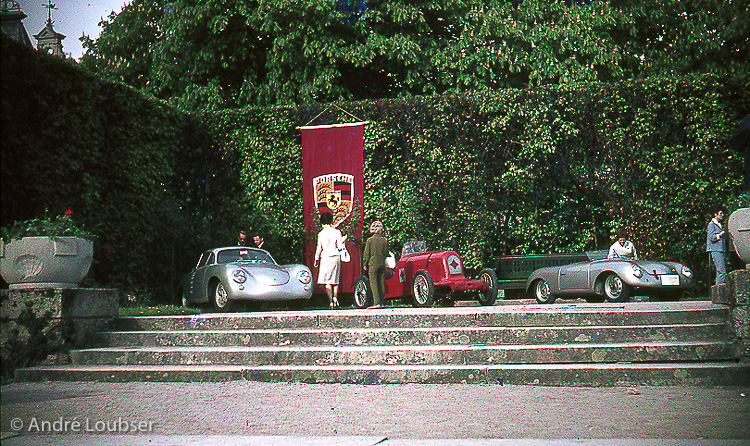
{"type": "Point", "coordinates": [423, 276]}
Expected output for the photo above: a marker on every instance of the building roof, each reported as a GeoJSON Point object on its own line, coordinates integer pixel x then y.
{"type": "Point", "coordinates": [48, 33]}
{"type": "Point", "coordinates": [12, 22]}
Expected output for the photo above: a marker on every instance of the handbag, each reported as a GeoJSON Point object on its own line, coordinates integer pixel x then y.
{"type": "Point", "coordinates": [390, 266]}
{"type": "Point", "coordinates": [390, 261]}
{"type": "Point", "coordinates": [345, 257]}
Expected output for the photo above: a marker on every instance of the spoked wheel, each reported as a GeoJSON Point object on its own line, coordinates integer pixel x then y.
{"type": "Point", "coordinates": [488, 296]}
{"type": "Point", "coordinates": [542, 293]}
{"type": "Point", "coordinates": [615, 290]}
{"type": "Point", "coordinates": [423, 289]}
{"type": "Point", "coordinates": [362, 296]}
{"type": "Point", "coordinates": [221, 298]}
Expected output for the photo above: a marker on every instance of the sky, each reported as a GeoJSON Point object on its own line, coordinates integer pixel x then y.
{"type": "Point", "coordinates": [72, 18]}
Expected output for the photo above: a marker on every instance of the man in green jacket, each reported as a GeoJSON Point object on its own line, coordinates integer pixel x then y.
{"type": "Point", "coordinates": [376, 251]}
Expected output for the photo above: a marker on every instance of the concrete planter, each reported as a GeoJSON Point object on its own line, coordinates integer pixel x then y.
{"type": "Point", "coordinates": [739, 228]}
{"type": "Point", "coordinates": [45, 262]}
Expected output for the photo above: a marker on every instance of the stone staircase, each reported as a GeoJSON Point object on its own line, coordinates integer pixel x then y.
{"type": "Point", "coordinates": [565, 344]}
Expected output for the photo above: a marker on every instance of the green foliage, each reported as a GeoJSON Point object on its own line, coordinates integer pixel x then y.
{"type": "Point", "coordinates": [263, 145]}
{"type": "Point", "coordinates": [688, 36]}
{"type": "Point", "coordinates": [115, 159]}
{"type": "Point", "coordinates": [58, 226]}
{"type": "Point", "coordinates": [159, 310]}
{"type": "Point", "coordinates": [556, 169]}
{"type": "Point", "coordinates": [216, 54]}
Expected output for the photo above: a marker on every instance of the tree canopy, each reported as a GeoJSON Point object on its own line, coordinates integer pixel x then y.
{"type": "Point", "coordinates": [215, 54]}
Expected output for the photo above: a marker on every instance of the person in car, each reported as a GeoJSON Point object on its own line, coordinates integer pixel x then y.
{"type": "Point", "coordinates": [622, 248]}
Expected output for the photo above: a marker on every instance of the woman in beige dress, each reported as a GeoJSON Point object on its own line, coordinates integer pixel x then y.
{"type": "Point", "coordinates": [328, 257]}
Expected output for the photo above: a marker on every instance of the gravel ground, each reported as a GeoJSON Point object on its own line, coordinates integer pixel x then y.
{"type": "Point", "coordinates": [409, 411]}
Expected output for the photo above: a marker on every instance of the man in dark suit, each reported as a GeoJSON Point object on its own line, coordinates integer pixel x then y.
{"type": "Point", "coordinates": [260, 243]}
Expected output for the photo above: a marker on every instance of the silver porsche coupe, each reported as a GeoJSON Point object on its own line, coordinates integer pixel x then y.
{"type": "Point", "coordinates": [611, 280]}
{"type": "Point", "coordinates": [238, 273]}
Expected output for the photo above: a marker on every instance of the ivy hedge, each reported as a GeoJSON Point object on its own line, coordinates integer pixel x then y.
{"type": "Point", "coordinates": [556, 169]}
{"type": "Point", "coordinates": [103, 151]}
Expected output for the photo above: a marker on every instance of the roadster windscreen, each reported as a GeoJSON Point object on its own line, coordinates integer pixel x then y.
{"type": "Point", "coordinates": [414, 247]}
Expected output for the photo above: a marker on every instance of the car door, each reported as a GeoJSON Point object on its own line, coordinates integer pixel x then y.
{"type": "Point", "coordinates": [574, 277]}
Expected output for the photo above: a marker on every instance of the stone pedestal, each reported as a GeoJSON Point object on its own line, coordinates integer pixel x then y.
{"type": "Point", "coordinates": [47, 321]}
{"type": "Point", "coordinates": [736, 294]}
{"type": "Point", "coordinates": [739, 229]}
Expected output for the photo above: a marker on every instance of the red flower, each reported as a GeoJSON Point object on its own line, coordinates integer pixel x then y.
{"type": "Point", "coordinates": [68, 212]}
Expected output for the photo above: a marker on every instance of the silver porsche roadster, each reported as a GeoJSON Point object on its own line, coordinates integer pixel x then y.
{"type": "Point", "coordinates": [235, 273]}
{"type": "Point", "coordinates": [613, 280]}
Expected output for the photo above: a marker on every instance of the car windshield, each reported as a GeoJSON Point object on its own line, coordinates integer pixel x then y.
{"type": "Point", "coordinates": [597, 255]}
{"type": "Point", "coordinates": [414, 247]}
{"type": "Point", "coordinates": [243, 255]}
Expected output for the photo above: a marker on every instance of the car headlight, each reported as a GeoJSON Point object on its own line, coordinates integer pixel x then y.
{"type": "Point", "coordinates": [687, 272]}
{"type": "Point", "coordinates": [304, 276]}
{"type": "Point", "coordinates": [636, 270]}
{"type": "Point", "coordinates": [239, 276]}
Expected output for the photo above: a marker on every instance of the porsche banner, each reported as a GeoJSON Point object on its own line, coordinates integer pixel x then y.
{"type": "Point", "coordinates": [333, 181]}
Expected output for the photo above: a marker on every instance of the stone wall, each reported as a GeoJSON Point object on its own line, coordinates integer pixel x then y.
{"type": "Point", "coordinates": [35, 323]}
{"type": "Point", "coordinates": [736, 294]}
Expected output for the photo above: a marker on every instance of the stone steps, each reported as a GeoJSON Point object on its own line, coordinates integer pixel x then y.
{"type": "Point", "coordinates": [579, 344]}
{"type": "Point", "coordinates": [522, 315]}
{"type": "Point", "coordinates": [480, 355]}
{"type": "Point", "coordinates": [415, 336]}
{"type": "Point", "coordinates": [577, 375]}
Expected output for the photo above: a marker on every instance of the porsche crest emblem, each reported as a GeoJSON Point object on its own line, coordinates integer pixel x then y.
{"type": "Point", "coordinates": [334, 193]}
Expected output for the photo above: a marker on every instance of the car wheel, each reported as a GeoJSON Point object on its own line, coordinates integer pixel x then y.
{"type": "Point", "coordinates": [423, 288]}
{"type": "Point", "coordinates": [542, 293]}
{"type": "Point", "coordinates": [615, 290]}
{"type": "Point", "coordinates": [488, 296]}
{"type": "Point", "coordinates": [362, 295]}
{"type": "Point", "coordinates": [221, 298]}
